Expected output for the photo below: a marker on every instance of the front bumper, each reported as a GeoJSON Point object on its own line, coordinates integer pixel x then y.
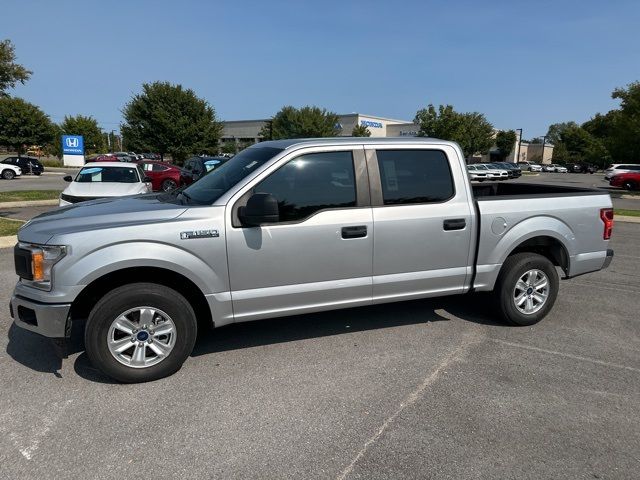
{"type": "Point", "coordinates": [48, 319]}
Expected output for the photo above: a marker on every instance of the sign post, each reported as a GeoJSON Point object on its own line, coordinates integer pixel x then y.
{"type": "Point", "coordinates": [72, 150]}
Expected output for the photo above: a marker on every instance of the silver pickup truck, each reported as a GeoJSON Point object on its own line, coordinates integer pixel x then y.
{"type": "Point", "coordinates": [295, 226]}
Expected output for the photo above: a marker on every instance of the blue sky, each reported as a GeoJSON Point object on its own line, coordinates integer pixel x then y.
{"type": "Point", "coordinates": [522, 64]}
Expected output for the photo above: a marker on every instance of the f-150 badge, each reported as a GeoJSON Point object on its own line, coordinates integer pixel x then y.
{"type": "Point", "coordinates": [199, 234]}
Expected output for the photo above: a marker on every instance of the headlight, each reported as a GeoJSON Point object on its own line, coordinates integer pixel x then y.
{"type": "Point", "coordinates": [43, 258]}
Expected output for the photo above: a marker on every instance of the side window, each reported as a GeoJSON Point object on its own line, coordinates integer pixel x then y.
{"type": "Point", "coordinates": [158, 168]}
{"type": "Point", "coordinates": [414, 176]}
{"type": "Point", "coordinates": [312, 182]}
{"type": "Point", "coordinates": [147, 167]}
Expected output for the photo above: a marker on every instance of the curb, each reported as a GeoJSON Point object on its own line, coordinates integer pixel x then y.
{"type": "Point", "coordinates": [630, 197]}
{"type": "Point", "coordinates": [625, 218]}
{"type": "Point", "coordinates": [8, 242]}
{"type": "Point", "coordinates": [29, 203]}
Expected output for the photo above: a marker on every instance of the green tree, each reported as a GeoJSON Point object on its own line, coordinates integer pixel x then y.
{"type": "Point", "coordinates": [360, 131]}
{"type": "Point", "coordinates": [11, 73]}
{"type": "Point", "coordinates": [471, 130]}
{"type": "Point", "coordinates": [94, 138]}
{"type": "Point", "coordinates": [23, 124]}
{"type": "Point", "coordinates": [505, 141]}
{"type": "Point", "coordinates": [305, 122]}
{"type": "Point", "coordinates": [577, 145]}
{"type": "Point", "coordinates": [556, 129]}
{"type": "Point", "coordinates": [167, 118]}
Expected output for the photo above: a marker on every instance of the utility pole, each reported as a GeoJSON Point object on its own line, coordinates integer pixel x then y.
{"type": "Point", "coordinates": [517, 159]}
{"type": "Point", "coordinates": [544, 141]}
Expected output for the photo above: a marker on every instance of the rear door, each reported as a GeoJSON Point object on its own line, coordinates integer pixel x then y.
{"type": "Point", "coordinates": [422, 222]}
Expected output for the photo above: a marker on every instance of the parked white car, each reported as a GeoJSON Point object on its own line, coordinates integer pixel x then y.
{"type": "Point", "coordinates": [9, 172]}
{"type": "Point", "coordinates": [554, 167]}
{"type": "Point", "coordinates": [105, 180]}
{"type": "Point", "coordinates": [617, 168]}
{"type": "Point", "coordinates": [492, 173]}
{"type": "Point", "coordinates": [534, 167]}
{"type": "Point", "coordinates": [475, 174]}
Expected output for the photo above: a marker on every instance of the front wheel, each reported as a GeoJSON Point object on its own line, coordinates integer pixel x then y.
{"type": "Point", "coordinates": [526, 289]}
{"type": "Point", "coordinates": [629, 186]}
{"type": "Point", "coordinates": [8, 174]}
{"type": "Point", "coordinates": [140, 332]}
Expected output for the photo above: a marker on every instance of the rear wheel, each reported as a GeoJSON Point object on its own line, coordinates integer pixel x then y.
{"type": "Point", "coordinates": [629, 185]}
{"type": "Point", "coordinates": [140, 332]}
{"type": "Point", "coordinates": [526, 288]}
{"type": "Point", "coordinates": [8, 174]}
{"type": "Point", "coordinates": [169, 184]}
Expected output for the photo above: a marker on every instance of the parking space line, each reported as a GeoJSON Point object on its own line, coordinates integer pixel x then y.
{"type": "Point", "coordinates": [566, 355]}
{"type": "Point", "coordinates": [412, 398]}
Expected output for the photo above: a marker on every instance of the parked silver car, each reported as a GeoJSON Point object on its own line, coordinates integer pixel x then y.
{"type": "Point", "coordinates": [296, 226]}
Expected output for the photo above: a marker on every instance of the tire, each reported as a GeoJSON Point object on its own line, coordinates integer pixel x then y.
{"type": "Point", "coordinates": [629, 185]}
{"type": "Point", "coordinates": [8, 174]}
{"type": "Point", "coordinates": [169, 185]}
{"type": "Point", "coordinates": [136, 303]}
{"type": "Point", "coordinates": [506, 293]}
{"type": "Point", "coordinates": [37, 174]}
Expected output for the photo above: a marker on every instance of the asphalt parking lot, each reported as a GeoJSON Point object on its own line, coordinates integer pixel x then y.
{"type": "Point", "coordinates": [424, 389]}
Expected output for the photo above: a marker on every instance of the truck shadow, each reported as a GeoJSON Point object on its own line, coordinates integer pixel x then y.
{"type": "Point", "coordinates": [338, 322]}
{"type": "Point", "coordinates": [38, 353]}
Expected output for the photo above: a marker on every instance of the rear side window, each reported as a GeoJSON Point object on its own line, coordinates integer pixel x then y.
{"type": "Point", "coordinates": [414, 176]}
{"type": "Point", "coordinates": [310, 183]}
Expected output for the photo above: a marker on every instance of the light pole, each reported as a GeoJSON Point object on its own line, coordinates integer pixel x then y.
{"type": "Point", "coordinates": [544, 141]}
{"type": "Point", "coordinates": [517, 159]}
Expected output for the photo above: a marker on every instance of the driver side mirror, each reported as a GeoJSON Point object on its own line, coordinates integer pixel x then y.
{"type": "Point", "coordinates": [68, 178]}
{"type": "Point", "coordinates": [146, 179]}
{"type": "Point", "coordinates": [261, 208]}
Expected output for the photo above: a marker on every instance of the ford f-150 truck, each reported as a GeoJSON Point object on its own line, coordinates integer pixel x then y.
{"type": "Point", "coordinates": [294, 226]}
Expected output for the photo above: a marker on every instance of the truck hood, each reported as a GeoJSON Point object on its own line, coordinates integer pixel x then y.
{"type": "Point", "coordinates": [98, 214]}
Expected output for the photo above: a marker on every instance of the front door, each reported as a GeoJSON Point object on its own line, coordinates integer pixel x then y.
{"type": "Point", "coordinates": [320, 252]}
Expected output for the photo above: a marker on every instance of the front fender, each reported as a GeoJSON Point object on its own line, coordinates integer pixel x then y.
{"type": "Point", "coordinates": [111, 258]}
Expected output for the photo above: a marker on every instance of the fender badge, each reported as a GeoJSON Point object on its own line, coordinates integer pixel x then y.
{"type": "Point", "coordinates": [199, 234]}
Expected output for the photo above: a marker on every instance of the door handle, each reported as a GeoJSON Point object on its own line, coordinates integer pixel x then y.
{"type": "Point", "coordinates": [454, 224]}
{"type": "Point", "coordinates": [354, 232]}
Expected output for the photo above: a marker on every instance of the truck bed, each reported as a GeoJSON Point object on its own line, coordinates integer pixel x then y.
{"type": "Point", "coordinates": [498, 191]}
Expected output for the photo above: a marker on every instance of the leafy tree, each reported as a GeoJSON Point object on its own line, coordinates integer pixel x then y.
{"type": "Point", "coordinates": [471, 130]}
{"type": "Point", "coordinates": [10, 72]}
{"type": "Point", "coordinates": [167, 118]}
{"type": "Point", "coordinates": [266, 132]}
{"type": "Point", "coordinates": [505, 141]}
{"type": "Point", "coordinates": [578, 145]}
{"type": "Point", "coordinates": [229, 147]}
{"type": "Point", "coordinates": [22, 123]}
{"type": "Point", "coordinates": [556, 129]}
{"type": "Point", "coordinates": [94, 139]}
{"type": "Point", "coordinates": [360, 131]}
{"type": "Point", "coordinates": [534, 140]}
{"type": "Point", "coordinates": [305, 122]}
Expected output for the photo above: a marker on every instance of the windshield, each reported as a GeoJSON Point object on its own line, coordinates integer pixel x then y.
{"type": "Point", "coordinates": [211, 187]}
{"type": "Point", "coordinates": [107, 174]}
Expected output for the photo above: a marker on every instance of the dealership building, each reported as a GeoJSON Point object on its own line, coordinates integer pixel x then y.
{"type": "Point", "coordinates": [248, 131]}
{"type": "Point", "coordinates": [244, 132]}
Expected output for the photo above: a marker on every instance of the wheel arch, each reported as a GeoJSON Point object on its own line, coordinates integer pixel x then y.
{"type": "Point", "coordinates": [95, 290]}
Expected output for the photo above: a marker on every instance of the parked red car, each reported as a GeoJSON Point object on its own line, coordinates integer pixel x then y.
{"type": "Point", "coordinates": [164, 176]}
{"type": "Point", "coordinates": [104, 158]}
{"type": "Point", "coordinates": [628, 180]}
